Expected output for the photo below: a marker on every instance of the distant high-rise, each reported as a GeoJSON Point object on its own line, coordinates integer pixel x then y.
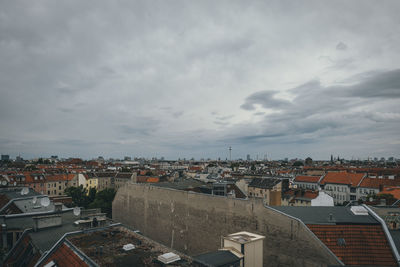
{"type": "Point", "coordinates": [5, 157]}
{"type": "Point", "coordinates": [248, 157]}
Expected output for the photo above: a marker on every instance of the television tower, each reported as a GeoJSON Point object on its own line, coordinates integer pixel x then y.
{"type": "Point", "coordinates": [230, 153]}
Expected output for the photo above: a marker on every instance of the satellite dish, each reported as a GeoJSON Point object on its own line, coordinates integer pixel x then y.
{"type": "Point", "coordinates": [45, 202]}
{"type": "Point", "coordinates": [25, 191]}
{"type": "Point", "coordinates": [34, 200]}
{"type": "Point", "coordinates": [4, 182]}
{"type": "Point", "coordinates": [77, 211]}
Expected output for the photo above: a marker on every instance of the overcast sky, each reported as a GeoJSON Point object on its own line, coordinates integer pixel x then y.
{"type": "Point", "coordinates": [191, 78]}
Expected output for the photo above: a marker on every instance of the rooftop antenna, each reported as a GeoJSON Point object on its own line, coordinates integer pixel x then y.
{"type": "Point", "coordinates": [230, 153]}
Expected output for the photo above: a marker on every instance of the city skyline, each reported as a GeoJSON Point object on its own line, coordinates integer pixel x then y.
{"type": "Point", "coordinates": [183, 80]}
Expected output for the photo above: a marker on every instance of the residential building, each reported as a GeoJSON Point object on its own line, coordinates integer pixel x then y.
{"type": "Point", "coordinates": [105, 180]}
{"type": "Point", "coordinates": [57, 183]}
{"type": "Point", "coordinates": [298, 197]}
{"type": "Point", "coordinates": [270, 189]}
{"type": "Point", "coordinates": [372, 186]}
{"type": "Point", "coordinates": [307, 182]}
{"type": "Point", "coordinates": [122, 178]}
{"type": "Point", "coordinates": [342, 186]}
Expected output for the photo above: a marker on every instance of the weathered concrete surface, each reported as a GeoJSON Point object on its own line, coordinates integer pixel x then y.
{"type": "Point", "coordinates": [194, 223]}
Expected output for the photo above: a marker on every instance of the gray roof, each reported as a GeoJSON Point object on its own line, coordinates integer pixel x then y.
{"type": "Point", "coordinates": [396, 238]}
{"type": "Point", "coordinates": [26, 205]}
{"type": "Point", "coordinates": [180, 185]}
{"type": "Point", "coordinates": [266, 183]}
{"type": "Point", "coordinates": [15, 192]}
{"type": "Point", "coordinates": [321, 215]}
{"type": "Point", "coordinates": [44, 239]}
{"type": "Point", "coordinates": [217, 258]}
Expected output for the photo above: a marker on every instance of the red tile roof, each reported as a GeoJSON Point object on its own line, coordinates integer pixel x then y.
{"type": "Point", "coordinates": [310, 194]}
{"type": "Point", "coordinates": [60, 177]}
{"type": "Point", "coordinates": [356, 244]}
{"type": "Point", "coordinates": [307, 179]}
{"type": "Point", "coordinates": [347, 178]}
{"type": "Point", "coordinates": [65, 256]}
{"type": "Point", "coordinates": [377, 183]}
{"type": "Point", "coordinates": [393, 190]}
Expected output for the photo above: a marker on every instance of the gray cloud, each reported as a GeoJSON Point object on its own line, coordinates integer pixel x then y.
{"type": "Point", "coordinates": [266, 99]}
{"type": "Point", "coordinates": [179, 79]}
{"type": "Point", "coordinates": [320, 113]}
{"type": "Point", "coordinates": [341, 46]}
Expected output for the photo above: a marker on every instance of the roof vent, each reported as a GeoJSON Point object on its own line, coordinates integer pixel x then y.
{"type": "Point", "coordinates": [359, 210]}
{"type": "Point", "coordinates": [128, 247]}
{"type": "Point", "coordinates": [341, 242]}
{"type": "Point", "coordinates": [168, 258]}
{"type": "Point", "coordinates": [51, 264]}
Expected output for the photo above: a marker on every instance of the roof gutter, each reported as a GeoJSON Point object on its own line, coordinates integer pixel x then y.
{"type": "Point", "coordinates": [387, 233]}
{"type": "Point", "coordinates": [308, 230]}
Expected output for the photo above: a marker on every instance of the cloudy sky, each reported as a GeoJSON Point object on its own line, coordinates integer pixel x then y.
{"type": "Point", "coordinates": [191, 78]}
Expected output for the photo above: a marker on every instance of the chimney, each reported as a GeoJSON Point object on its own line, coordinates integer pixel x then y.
{"type": "Point", "coordinates": [247, 245]}
{"type": "Point", "coordinates": [4, 235]}
{"type": "Point", "coordinates": [58, 207]}
{"type": "Point", "coordinates": [43, 222]}
{"type": "Point", "coordinates": [134, 177]}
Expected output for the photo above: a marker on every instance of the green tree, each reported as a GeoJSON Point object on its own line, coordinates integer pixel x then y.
{"type": "Point", "coordinates": [79, 196]}
{"type": "Point", "coordinates": [92, 194]}
{"type": "Point", "coordinates": [125, 169]}
{"type": "Point", "coordinates": [298, 163]}
{"type": "Point", "coordinates": [104, 201]}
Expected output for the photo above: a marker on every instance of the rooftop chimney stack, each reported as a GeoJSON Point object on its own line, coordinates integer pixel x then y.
{"type": "Point", "coordinates": [134, 177]}
{"type": "Point", "coordinates": [249, 245]}
{"type": "Point", "coordinates": [4, 235]}
{"type": "Point", "coordinates": [58, 207]}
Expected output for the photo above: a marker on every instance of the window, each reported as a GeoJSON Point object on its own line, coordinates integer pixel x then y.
{"type": "Point", "coordinates": [352, 197]}
{"type": "Point", "coordinates": [59, 188]}
{"type": "Point", "coordinates": [48, 192]}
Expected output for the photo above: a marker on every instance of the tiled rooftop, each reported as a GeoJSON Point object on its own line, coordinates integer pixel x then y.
{"type": "Point", "coordinates": [356, 244]}
{"type": "Point", "coordinates": [266, 183]}
{"type": "Point", "coordinates": [346, 178]}
{"type": "Point", "coordinates": [376, 182]}
{"type": "Point", "coordinates": [65, 256]}
{"type": "Point", "coordinates": [307, 179]}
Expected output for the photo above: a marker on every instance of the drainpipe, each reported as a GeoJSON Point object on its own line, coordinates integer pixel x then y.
{"type": "Point", "coordinates": [4, 235]}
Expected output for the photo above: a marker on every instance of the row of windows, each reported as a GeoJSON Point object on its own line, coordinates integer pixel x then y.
{"type": "Point", "coordinates": [55, 184]}
{"type": "Point", "coordinates": [308, 186]}
{"type": "Point", "coordinates": [336, 188]}
{"type": "Point", "coordinates": [339, 197]}
{"type": "Point", "coordinates": [367, 191]}
{"type": "Point", "coordinates": [54, 192]}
